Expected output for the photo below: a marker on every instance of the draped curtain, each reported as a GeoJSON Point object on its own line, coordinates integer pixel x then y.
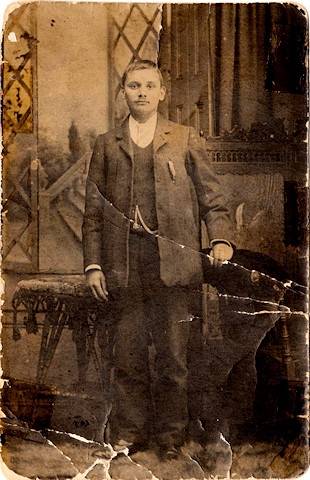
{"type": "Point", "coordinates": [238, 46]}
{"type": "Point", "coordinates": [257, 65]}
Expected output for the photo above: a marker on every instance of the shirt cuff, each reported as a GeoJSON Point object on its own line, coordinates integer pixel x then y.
{"type": "Point", "coordinates": [92, 266]}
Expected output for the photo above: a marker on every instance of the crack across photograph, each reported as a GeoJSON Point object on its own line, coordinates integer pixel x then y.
{"type": "Point", "coordinates": [155, 241]}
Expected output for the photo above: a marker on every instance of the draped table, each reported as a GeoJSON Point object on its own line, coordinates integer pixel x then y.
{"type": "Point", "coordinates": [64, 301]}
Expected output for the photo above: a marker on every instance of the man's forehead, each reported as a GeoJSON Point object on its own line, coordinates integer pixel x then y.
{"type": "Point", "coordinates": [146, 75]}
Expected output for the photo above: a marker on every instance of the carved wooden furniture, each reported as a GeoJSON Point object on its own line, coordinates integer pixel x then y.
{"type": "Point", "coordinates": [64, 301]}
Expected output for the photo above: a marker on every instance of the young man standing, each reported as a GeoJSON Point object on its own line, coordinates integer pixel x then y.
{"type": "Point", "coordinates": [149, 186]}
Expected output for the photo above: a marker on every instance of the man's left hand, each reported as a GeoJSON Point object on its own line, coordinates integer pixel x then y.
{"type": "Point", "coordinates": [220, 253]}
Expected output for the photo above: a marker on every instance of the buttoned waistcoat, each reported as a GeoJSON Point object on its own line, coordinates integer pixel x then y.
{"type": "Point", "coordinates": [186, 192]}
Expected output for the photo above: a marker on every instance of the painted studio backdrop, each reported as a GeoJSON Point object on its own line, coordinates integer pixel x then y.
{"type": "Point", "coordinates": [237, 74]}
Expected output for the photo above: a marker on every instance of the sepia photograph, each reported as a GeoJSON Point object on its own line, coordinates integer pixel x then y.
{"type": "Point", "coordinates": [154, 241]}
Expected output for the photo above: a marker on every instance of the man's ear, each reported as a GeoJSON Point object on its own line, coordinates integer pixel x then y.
{"type": "Point", "coordinates": [162, 93]}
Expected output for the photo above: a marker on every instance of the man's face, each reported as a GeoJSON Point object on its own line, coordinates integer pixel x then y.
{"type": "Point", "coordinates": [143, 92]}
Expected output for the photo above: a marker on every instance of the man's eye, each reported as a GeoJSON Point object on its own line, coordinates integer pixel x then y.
{"type": "Point", "coordinates": [151, 86]}
{"type": "Point", "coordinates": [133, 86]}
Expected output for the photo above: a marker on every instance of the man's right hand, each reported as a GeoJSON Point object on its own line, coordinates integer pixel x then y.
{"type": "Point", "coordinates": [95, 279]}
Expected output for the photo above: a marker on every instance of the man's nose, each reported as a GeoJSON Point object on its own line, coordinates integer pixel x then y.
{"type": "Point", "coordinates": [142, 92]}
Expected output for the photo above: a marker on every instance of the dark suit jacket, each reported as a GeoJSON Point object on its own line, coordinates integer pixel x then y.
{"type": "Point", "coordinates": [186, 192]}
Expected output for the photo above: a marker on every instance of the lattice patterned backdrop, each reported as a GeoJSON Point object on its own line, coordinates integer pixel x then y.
{"type": "Point", "coordinates": [17, 70]}
{"type": "Point", "coordinates": [134, 34]}
{"type": "Point", "coordinates": [20, 236]}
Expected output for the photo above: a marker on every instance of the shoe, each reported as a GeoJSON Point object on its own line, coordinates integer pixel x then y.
{"type": "Point", "coordinates": [133, 447]}
{"type": "Point", "coordinates": [120, 445]}
{"type": "Point", "coordinates": [137, 447]}
{"type": "Point", "coordinates": [166, 453]}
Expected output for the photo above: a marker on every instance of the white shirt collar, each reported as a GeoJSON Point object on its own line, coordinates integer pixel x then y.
{"type": "Point", "coordinates": [142, 133]}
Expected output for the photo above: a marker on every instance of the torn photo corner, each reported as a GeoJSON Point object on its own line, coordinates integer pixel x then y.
{"type": "Point", "coordinates": [155, 240]}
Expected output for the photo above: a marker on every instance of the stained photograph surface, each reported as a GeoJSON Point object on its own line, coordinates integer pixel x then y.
{"type": "Point", "coordinates": [154, 241]}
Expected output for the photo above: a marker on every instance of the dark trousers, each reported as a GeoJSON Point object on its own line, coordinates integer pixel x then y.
{"type": "Point", "coordinates": [150, 396]}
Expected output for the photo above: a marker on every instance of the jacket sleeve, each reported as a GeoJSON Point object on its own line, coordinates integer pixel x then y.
{"type": "Point", "coordinates": [212, 209]}
{"type": "Point", "coordinates": [94, 206]}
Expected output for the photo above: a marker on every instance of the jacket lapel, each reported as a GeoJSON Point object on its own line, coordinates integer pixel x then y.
{"type": "Point", "coordinates": [162, 129]}
{"type": "Point", "coordinates": [123, 139]}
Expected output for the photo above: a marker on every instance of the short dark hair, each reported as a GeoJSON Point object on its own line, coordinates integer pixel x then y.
{"type": "Point", "coordinates": [142, 65]}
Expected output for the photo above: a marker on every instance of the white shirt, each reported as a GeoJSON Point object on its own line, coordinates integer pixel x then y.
{"type": "Point", "coordinates": [142, 133]}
